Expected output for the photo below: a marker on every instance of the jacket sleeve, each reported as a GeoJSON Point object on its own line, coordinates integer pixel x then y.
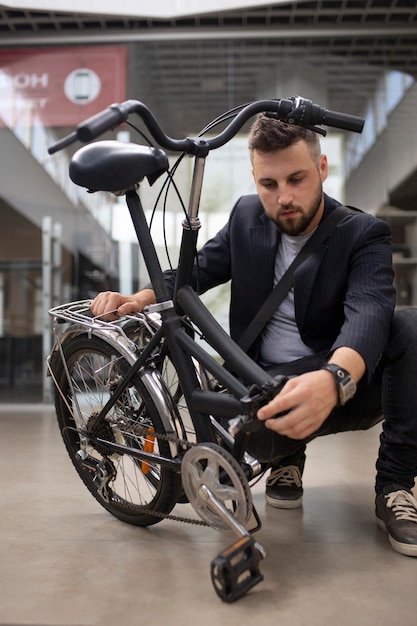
{"type": "Point", "coordinates": [370, 295]}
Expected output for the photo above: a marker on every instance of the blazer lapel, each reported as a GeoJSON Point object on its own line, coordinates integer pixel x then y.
{"type": "Point", "coordinates": [263, 244]}
{"type": "Point", "coordinates": [304, 280]}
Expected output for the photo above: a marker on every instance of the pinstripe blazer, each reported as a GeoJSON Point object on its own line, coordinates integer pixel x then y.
{"type": "Point", "coordinates": [343, 293]}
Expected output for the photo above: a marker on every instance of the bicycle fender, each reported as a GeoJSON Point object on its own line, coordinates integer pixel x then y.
{"type": "Point", "coordinates": [151, 378]}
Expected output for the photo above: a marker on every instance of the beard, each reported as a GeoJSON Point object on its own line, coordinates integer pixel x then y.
{"type": "Point", "coordinates": [299, 224]}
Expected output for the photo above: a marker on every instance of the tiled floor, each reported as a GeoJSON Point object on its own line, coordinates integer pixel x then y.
{"type": "Point", "coordinates": [66, 562]}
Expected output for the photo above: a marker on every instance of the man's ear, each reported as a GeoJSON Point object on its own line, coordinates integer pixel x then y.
{"type": "Point", "coordinates": [324, 167]}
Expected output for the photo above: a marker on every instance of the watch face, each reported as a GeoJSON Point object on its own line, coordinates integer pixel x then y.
{"type": "Point", "coordinates": [347, 389]}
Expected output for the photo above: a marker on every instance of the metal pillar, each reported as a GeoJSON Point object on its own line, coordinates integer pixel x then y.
{"type": "Point", "coordinates": [51, 292]}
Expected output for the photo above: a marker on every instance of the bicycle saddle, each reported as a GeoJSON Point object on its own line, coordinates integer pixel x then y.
{"type": "Point", "coordinates": [116, 166]}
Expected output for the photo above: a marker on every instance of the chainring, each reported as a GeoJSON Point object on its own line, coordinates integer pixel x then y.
{"type": "Point", "coordinates": [210, 465]}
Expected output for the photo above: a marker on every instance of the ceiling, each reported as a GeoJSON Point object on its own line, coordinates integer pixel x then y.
{"type": "Point", "coordinates": [190, 69]}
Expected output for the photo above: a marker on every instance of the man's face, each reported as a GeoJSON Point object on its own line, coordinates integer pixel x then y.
{"type": "Point", "coordinates": [290, 185]}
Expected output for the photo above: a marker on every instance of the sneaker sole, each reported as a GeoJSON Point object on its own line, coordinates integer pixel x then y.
{"type": "Point", "coordinates": [284, 504]}
{"type": "Point", "coordinates": [406, 549]}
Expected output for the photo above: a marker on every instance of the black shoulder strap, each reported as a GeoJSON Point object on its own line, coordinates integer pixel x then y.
{"type": "Point", "coordinates": [282, 287]}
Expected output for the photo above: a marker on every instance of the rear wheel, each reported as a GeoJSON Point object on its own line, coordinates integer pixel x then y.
{"type": "Point", "coordinates": [134, 491]}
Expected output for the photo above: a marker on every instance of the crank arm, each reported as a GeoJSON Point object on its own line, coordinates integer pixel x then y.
{"type": "Point", "coordinates": [217, 507]}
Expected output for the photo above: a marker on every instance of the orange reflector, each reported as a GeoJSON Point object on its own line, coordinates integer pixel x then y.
{"type": "Point", "coordinates": [148, 447]}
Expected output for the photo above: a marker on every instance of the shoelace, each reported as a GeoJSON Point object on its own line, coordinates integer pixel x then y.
{"type": "Point", "coordinates": [403, 505]}
{"type": "Point", "coordinates": [288, 476]}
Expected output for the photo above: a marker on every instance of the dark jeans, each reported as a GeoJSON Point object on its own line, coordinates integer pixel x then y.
{"type": "Point", "coordinates": [391, 396]}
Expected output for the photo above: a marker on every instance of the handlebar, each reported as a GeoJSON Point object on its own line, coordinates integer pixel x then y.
{"type": "Point", "coordinates": [295, 110]}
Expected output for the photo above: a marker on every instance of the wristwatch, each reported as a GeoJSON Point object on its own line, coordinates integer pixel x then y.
{"type": "Point", "coordinates": [345, 385]}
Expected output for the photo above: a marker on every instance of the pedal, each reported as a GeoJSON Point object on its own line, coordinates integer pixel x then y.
{"type": "Point", "coordinates": [204, 467]}
{"type": "Point", "coordinates": [236, 570]}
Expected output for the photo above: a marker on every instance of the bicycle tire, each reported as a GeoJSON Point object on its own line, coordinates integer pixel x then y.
{"type": "Point", "coordinates": [135, 492]}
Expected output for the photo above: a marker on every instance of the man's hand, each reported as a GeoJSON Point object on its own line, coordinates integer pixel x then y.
{"type": "Point", "coordinates": [308, 400]}
{"type": "Point", "coordinates": [114, 303]}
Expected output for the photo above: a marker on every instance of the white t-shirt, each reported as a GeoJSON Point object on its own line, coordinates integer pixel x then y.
{"type": "Point", "coordinates": [280, 340]}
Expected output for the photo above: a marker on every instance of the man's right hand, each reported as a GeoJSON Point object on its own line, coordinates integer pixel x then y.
{"type": "Point", "coordinates": [112, 304]}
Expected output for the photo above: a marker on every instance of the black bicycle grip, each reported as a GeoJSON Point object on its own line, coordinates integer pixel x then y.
{"type": "Point", "coordinates": [319, 115]}
{"type": "Point", "coordinates": [101, 122]}
{"type": "Point", "coordinates": [94, 126]}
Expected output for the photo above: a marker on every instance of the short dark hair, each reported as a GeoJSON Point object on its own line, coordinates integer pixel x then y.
{"type": "Point", "coordinates": [268, 134]}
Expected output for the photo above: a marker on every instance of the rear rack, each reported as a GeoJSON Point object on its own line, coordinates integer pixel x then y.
{"type": "Point", "coordinates": [78, 313]}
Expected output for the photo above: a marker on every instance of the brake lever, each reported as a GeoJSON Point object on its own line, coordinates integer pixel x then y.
{"type": "Point", "coordinates": [318, 129]}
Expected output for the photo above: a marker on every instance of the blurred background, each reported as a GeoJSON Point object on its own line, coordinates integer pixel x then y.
{"type": "Point", "coordinates": [188, 64]}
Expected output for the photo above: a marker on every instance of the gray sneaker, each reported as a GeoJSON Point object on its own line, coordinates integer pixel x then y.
{"type": "Point", "coordinates": [284, 487]}
{"type": "Point", "coordinates": [396, 513]}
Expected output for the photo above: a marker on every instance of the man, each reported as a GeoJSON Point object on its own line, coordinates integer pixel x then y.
{"type": "Point", "coordinates": [350, 358]}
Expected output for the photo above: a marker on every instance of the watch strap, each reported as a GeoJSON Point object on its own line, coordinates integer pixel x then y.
{"type": "Point", "coordinates": [345, 385]}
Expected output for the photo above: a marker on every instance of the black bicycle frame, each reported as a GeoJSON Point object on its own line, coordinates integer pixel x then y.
{"type": "Point", "coordinates": [180, 345]}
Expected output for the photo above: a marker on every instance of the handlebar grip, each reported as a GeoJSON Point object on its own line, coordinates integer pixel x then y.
{"type": "Point", "coordinates": [101, 122]}
{"type": "Point", "coordinates": [94, 126]}
{"type": "Point", "coordinates": [336, 119]}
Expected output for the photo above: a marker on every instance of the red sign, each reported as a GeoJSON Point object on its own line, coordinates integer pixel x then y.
{"type": "Point", "coordinates": [59, 86]}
